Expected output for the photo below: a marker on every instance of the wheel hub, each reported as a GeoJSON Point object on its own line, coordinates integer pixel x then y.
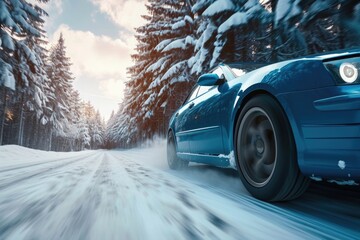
{"type": "Point", "coordinates": [259, 146]}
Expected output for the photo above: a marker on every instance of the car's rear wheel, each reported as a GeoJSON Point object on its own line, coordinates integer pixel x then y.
{"type": "Point", "coordinates": [266, 152]}
{"type": "Point", "coordinates": [173, 161]}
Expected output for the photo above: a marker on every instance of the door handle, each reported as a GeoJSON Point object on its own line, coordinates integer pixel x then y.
{"type": "Point", "coordinates": [191, 105]}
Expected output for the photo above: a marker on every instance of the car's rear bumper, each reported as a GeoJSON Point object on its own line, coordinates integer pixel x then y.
{"type": "Point", "coordinates": [326, 126]}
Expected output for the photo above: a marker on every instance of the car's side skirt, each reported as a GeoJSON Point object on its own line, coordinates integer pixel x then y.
{"type": "Point", "coordinates": [214, 160]}
{"type": "Point", "coordinates": [196, 130]}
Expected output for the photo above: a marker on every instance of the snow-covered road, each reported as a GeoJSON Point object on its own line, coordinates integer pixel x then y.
{"type": "Point", "coordinates": [133, 195]}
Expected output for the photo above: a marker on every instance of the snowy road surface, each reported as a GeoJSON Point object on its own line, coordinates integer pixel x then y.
{"type": "Point", "coordinates": [133, 195]}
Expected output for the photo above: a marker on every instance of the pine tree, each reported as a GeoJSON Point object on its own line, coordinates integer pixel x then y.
{"type": "Point", "coordinates": [183, 39]}
{"type": "Point", "coordinates": [20, 26]}
{"type": "Point", "coordinates": [61, 78]}
{"type": "Point", "coordinates": [166, 42]}
{"type": "Point", "coordinates": [84, 136]}
{"type": "Point", "coordinates": [97, 138]}
{"type": "Point", "coordinates": [73, 116]}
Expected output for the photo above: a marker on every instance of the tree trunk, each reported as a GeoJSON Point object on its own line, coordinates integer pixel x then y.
{"type": "Point", "coordinates": [21, 123]}
{"type": "Point", "coordinates": [274, 34]}
{"type": "Point", "coordinates": [37, 136]}
{"type": "Point", "coordinates": [2, 123]}
{"type": "Point", "coordinates": [50, 138]}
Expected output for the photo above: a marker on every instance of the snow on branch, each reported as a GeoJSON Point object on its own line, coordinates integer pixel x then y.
{"type": "Point", "coordinates": [174, 70]}
{"type": "Point", "coordinates": [181, 43]}
{"type": "Point", "coordinates": [6, 77]}
{"type": "Point", "coordinates": [236, 19]}
{"type": "Point", "coordinates": [218, 7]}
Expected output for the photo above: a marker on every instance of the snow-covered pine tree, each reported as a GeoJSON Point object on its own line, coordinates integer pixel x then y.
{"type": "Point", "coordinates": [147, 37]}
{"type": "Point", "coordinates": [121, 126]}
{"type": "Point", "coordinates": [205, 31]}
{"type": "Point", "coordinates": [330, 25]}
{"type": "Point", "coordinates": [97, 137]}
{"type": "Point", "coordinates": [304, 27]}
{"type": "Point", "coordinates": [84, 136]}
{"type": "Point", "coordinates": [74, 115]}
{"type": "Point", "coordinates": [230, 31]}
{"type": "Point", "coordinates": [170, 71]}
{"type": "Point", "coordinates": [270, 30]}
{"type": "Point", "coordinates": [90, 128]}
{"type": "Point", "coordinates": [183, 39]}
{"type": "Point", "coordinates": [109, 135]}
{"type": "Point", "coordinates": [117, 127]}
{"type": "Point", "coordinates": [165, 44]}
{"type": "Point", "coordinates": [32, 80]}
{"type": "Point", "coordinates": [61, 78]}
{"type": "Point", "coordinates": [18, 20]}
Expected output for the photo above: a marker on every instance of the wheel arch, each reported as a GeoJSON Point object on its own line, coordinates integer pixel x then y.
{"type": "Point", "coordinates": [250, 95]}
{"type": "Point", "coordinates": [275, 190]}
{"type": "Point", "coordinates": [241, 103]}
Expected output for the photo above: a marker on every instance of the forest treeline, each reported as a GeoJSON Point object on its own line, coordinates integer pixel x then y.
{"type": "Point", "coordinates": [39, 108]}
{"type": "Point", "coordinates": [180, 40]}
{"type": "Point", "coordinates": [184, 38]}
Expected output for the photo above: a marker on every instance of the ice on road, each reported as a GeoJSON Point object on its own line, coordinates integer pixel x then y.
{"type": "Point", "coordinates": [133, 195]}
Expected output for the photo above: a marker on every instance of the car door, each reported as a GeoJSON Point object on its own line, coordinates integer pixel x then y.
{"type": "Point", "coordinates": [206, 133]}
{"type": "Point", "coordinates": [183, 122]}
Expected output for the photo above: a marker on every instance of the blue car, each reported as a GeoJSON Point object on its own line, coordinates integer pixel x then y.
{"type": "Point", "coordinates": [279, 125]}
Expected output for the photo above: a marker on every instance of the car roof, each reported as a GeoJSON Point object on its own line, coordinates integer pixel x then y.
{"type": "Point", "coordinates": [333, 55]}
{"type": "Point", "coordinates": [247, 66]}
{"type": "Point", "coordinates": [327, 56]}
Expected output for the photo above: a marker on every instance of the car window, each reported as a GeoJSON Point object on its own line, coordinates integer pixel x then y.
{"type": "Point", "coordinates": [203, 89]}
{"type": "Point", "coordinates": [218, 71]}
{"type": "Point", "coordinates": [238, 72]}
{"type": "Point", "coordinates": [193, 94]}
{"type": "Point", "coordinates": [231, 73]}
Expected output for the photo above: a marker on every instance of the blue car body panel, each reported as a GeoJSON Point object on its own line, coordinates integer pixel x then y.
{"type": "Point", "coordinates": [324, 117]}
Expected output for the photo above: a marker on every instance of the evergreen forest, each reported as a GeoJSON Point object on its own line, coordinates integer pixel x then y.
{"type": "Point", "coordinates": [181, 39]}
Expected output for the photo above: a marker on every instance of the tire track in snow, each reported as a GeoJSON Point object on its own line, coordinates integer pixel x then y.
{"type": "Point", "coordinates": [293, 218]}
{"type": "Point", "coordinates": [28, 209]}
{"type": "Point", "coordinates": [17, 178]}
{"type": "Point", "coordinates": [81, 216]}
{"type": "Point", "coordinates": [115, 195]}
{"type": "Point", "coordinates": [90, 210]}
{"type": "Point", "coordinates": [34, 164]}
{"type": "Point", "coordinates": [178, 206]}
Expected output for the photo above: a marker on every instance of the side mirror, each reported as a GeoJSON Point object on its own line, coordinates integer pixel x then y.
{"type": "Point", "coordinates": [210, 79]}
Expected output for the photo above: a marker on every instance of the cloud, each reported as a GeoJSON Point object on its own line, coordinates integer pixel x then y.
{"type": "Point", "coordinates": [95, 55]}
{"type": "Point", "coordinates": [111, 87]}
{"type": "Point", "coordinates": [99, 65]}
{"type": "Point", "coordinates": [125, 13]}
{"type": "Point", "coordinates": [56, 6]}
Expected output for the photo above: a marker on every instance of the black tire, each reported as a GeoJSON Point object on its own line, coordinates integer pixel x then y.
{"type": "Point", "coordinates": [266, 152]}
{"type": "Point", "coordinates": [173, 161]}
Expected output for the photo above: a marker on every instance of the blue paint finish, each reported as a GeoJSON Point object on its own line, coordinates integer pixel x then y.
{"type": "Point", "coordinates": [324, 116]}
{"type": "Point", "coordinates": [339, 103]}
{"type": "Point", "coordinates": [327, 133]}
{"type": "Point", "coordinates": [208, 137]}
{"type": "Point", "coordinates": [207, 159]}
{"type": "Point", "coordinates": [208, 79]}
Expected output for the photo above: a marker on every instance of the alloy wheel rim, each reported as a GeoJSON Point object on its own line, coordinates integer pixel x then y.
{"type": "Point", "coordinates": [257, 147]}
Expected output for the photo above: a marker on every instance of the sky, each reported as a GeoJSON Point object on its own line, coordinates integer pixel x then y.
{"type": "Point", "coordinates": [99, 39]}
